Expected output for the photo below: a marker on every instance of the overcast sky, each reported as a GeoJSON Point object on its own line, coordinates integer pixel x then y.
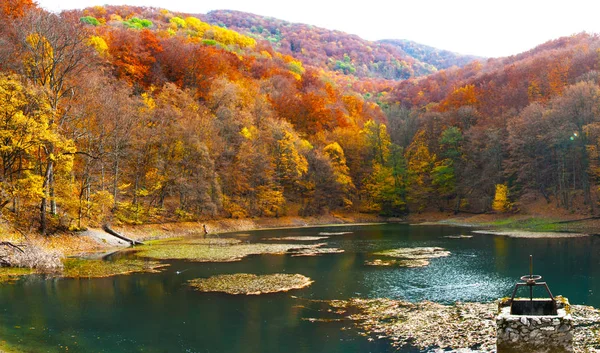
{"type": "Point", "coordinates": [490, 28]}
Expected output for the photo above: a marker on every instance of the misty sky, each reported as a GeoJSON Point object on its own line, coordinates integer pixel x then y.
{"type": "Point", "coordinates": [488, 28]}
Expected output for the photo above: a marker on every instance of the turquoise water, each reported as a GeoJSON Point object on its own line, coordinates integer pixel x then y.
{"type": "Point", "coordinates": [157, 313]}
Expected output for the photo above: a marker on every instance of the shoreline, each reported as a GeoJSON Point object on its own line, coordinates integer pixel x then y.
{"type": "Point", "coordinates": [226, 225]}
{"type": "Point", "coordinates": [521, 226]}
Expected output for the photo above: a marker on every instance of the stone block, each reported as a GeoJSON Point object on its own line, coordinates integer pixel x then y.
{"type": "Point", "coordinates": [534, 333]}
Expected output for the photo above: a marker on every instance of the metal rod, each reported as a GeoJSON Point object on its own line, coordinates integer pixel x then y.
{"type": "Point", "coordinates": [530, 266]}
{"type": "Point", "coordinates": [531, 276]}
{"type": "Point", "coordinates": [531, 294]}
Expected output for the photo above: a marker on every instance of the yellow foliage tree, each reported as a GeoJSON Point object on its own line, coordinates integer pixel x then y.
{"type": "Point", "coordinates": [290, 164]}
{"type": "Point", "coordinates": [501, 203]}
{"type": "Point", "coordinates": [25, 132]}
{"type": "Point", "coordinates": [270, 201]}
{"type": "Point", "coordinates": [39, 61]}
{"type": "Point", "coordinates": [99, 44]}
{"type": "Point", "coordinates": [378, 140]}
{"type": "Point", "coordinates": [196, 25]}
{"type": "Point", "coordinates": [341, 171]}
{"type": "Point", "coordinates": [420, 166]}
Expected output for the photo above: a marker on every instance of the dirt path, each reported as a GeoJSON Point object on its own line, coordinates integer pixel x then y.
{"type": "Point", "coordinates": [103, 238]}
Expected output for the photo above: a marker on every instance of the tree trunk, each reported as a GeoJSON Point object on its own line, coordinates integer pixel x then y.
{"type": "Point", "coordinates": [52, 195]}
{"type": "Point", "coordinates": [116, 181]}
{"type": "Point", "coordinates": [43, 204]}
{"type": "Point", "coordinates": [43, 226]}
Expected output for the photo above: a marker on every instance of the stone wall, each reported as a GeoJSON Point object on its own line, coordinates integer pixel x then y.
{"type": "Point", "coordinates": [539, 334]}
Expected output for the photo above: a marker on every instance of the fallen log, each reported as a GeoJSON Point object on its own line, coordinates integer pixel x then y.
{"type": "Point", "coordinates": [11, 245]}
{"type": "Point", "coordinates": [3, 260]}
{"type": "Point", "coordinates": [110, 231]}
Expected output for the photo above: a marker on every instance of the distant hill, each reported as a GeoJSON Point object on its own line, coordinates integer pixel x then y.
{"type": "Point", "coordinates": [439, 58]}
{"type": "Point", "coordinates": [510, 83]}
{"type": "Point", "coordinates": [339, 51]}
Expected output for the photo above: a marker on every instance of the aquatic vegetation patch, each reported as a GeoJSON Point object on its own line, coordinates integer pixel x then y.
{"type": "Point", "coordinates": [316, 251]}
{"type": "Point", "coordinates": [216, 253]}
{"type": "Point", "coordinates": [467, 324]}
{"type": "Point", "coordinates": [79, 268]}
{"type": "Point", "coordinates": [415, 253]}
{"type": "Point", "coordinates": [299, 238]}
{"type": "Point", "coordinates": [458, 236]}
{"type": "Point", "coordinates": [11, 274]}
{"type": "Point", "coordinates": [398, 263]}
{"type": "Point", "coordinates": [461, 326]}
{"type": "Point", "coordinates": [250, 284]}
{"type": "Point", "coordinates": [202, 240]}
{"type": "Point", "coordinates": [6, 348]}
{"type": "Point", "coordinates": [210, 241]}
{"type": "Point", "coordinates": [408, 257]}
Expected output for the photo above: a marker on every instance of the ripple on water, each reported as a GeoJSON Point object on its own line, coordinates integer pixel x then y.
{"type": "Point", "coordinates": [446, 280]}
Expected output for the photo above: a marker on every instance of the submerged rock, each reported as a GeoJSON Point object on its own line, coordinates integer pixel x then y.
{"type": "Point", "coordinates": [249, 284]}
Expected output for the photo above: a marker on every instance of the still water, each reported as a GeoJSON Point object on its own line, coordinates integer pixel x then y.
{"type": "Point", "coordinates": [157, 313]}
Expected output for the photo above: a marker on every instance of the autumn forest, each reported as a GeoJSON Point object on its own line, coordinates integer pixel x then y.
{"type": "Point", "coordinates": [137, 115]}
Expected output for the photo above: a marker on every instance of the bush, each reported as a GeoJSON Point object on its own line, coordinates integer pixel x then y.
{"type": "Point", "coordinates": [90, 20]}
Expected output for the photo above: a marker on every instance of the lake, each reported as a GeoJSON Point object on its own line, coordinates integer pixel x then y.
{"type": "Point", "coordinates": [158, 313]}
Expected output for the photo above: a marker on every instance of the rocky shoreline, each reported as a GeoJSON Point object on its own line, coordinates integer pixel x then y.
{"type": "Point", "coordinates": [467, 327]}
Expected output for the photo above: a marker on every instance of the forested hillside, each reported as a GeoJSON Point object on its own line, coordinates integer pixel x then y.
{"type": "Point", "coordinates": [440, 59]}
{"type": "Point", "coordinates": [326, 49]}
{"type": "Point", "coordinates": [110, 115]}
{"type": "Point", "coordinates": [134, 115]}
{"type": "Point", "coordinates": [526, 124]}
